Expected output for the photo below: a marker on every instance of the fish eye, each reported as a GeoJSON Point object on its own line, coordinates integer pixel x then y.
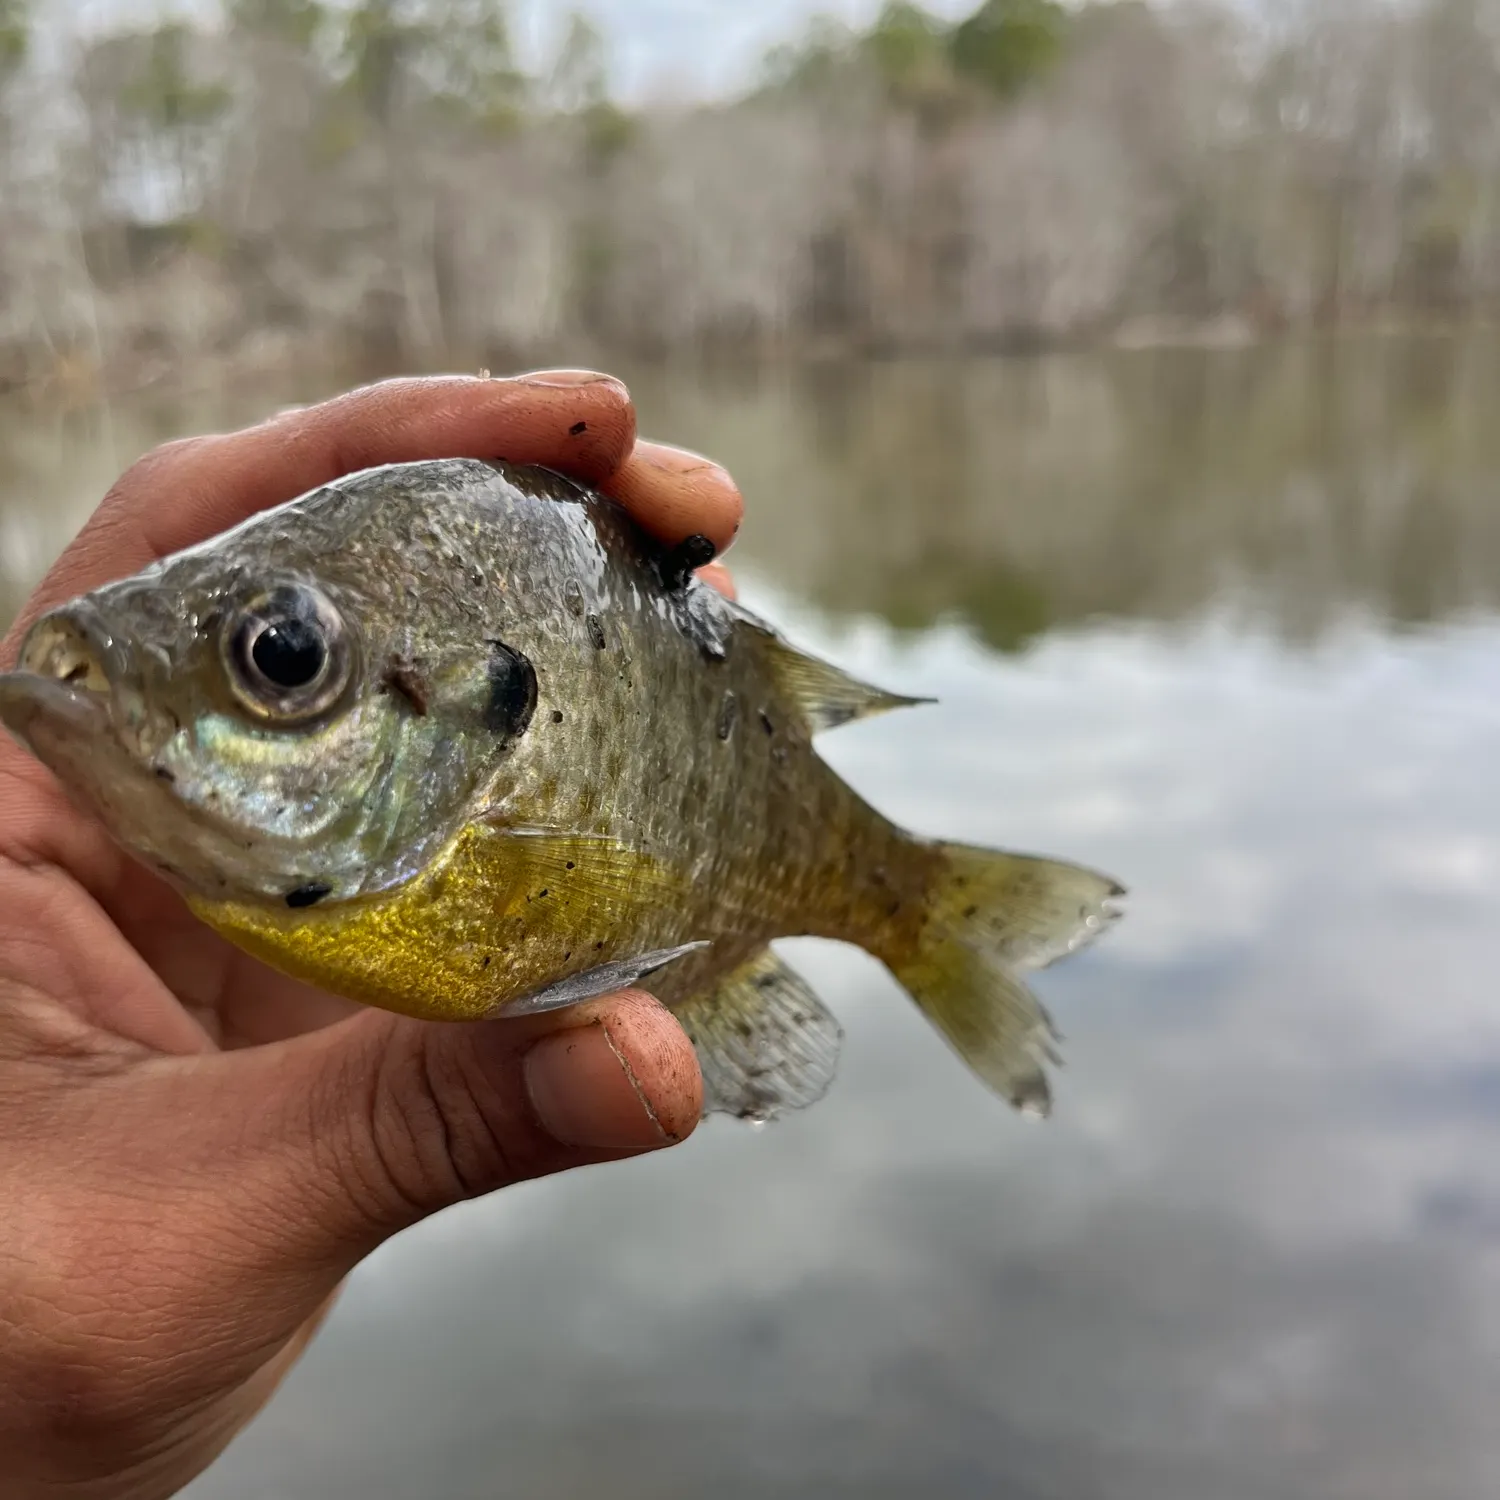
{"type": "Point", "coordinates": [288, 654]}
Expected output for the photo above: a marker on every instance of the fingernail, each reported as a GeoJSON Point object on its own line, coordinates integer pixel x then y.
{"type": "Point", "coordinates": [675, 460]}
{"type": "Point", "coordinates": [585, 1093]}
{"type": "Point", "coordinates": [716, 575]}
{"type": "Point", "coordinates": [565, 378]}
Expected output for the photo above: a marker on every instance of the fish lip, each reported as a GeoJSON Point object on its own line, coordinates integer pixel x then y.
{"type": "Point", "coordinates": [83, 617]}
{"type": "Point", "coordinates": [28, 699]}
{"type": "Point", "coordinates": [78, 673]}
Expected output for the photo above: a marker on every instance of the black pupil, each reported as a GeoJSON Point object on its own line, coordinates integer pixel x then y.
{"type": "Point", "coordinates": [289, 653]}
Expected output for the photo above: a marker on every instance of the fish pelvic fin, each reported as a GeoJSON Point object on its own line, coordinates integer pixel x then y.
{"type": "Point", "coordinates": [825, 695]}
{"type": "Point", "coordinates": [765, 1043]}
{"type": "Point", "coordinates": [990, 917]}
{"type": "Point", "coordinates": [592, 983]}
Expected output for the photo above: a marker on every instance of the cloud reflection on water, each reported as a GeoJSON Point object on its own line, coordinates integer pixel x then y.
{"type": "Point", "coordinates": [1227, 626]}
{"type": "Point", "coordinates": [1253, 1256]}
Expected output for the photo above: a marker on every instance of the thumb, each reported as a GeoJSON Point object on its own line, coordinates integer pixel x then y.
{"type": "Point", "coordinates": [385, 1121]}
{"type": "Point", "coordinates": [189, 1252]}
{"type": "Point", "coordinates": [322, 1147]}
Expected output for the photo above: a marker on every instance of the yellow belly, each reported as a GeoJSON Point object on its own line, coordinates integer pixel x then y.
{"type": "Point", "coordinates": [497, 916]}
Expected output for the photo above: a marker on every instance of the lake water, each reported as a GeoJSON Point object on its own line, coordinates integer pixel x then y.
{"type": "Point", "coordinates": [1224, 624]}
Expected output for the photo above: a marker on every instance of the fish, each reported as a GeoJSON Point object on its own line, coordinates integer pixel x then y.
{"type": "Point", "coordinates": [457, 739]}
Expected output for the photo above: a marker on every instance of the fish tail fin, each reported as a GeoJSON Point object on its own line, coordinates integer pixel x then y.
{"type": "Point", "coordinates": [991, 916]}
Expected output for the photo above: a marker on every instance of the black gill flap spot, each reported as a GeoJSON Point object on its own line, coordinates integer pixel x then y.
{"type": "Point", "coordinates": [513, 692]}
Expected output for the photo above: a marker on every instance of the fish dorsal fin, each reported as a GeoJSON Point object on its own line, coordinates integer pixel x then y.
{"type": "Point", "coordinates": [826, 695]}
{"type": "Point", "coordinates": [765, 1042]}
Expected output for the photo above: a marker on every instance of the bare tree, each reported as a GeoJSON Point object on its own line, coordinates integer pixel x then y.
{"type": "Point", "coordinates": [379, 178]}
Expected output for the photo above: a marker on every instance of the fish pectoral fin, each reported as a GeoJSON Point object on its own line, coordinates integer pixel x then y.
{"type": "Point", "coordinates": [586, 868]}
{"type": "Point", "coordinates": [567, 882]}
{"type": "Point", "coordinates": [826, 695]}
{"type": "Point", "coordinates": [765, 1042]}
{"type": "Point", "coordinates": [604, 980]}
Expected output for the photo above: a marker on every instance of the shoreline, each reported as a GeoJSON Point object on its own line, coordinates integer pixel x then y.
{"type": "Point", "coordinates": [75, 380]}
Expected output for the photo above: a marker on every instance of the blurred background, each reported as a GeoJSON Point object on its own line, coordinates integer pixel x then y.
{"type": "Point", "coordinates": [1123, 375]}
{"type": "Point", "coordinates": [409, 181]}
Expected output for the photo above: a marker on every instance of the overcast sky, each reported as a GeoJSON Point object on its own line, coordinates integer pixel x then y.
{"type": "Point", "coordinates": [688, 46]}
{"type": "Point", "coordinates": [702, 45]}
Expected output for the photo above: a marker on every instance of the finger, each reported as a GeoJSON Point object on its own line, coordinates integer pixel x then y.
{"type": "Point", "coordinates": [676, 494]}
{"type": "Point", "coordinates": [716, 575]}
{"type": "Point", "coordinates": [365, 1128]}
{"type": "Point", "coordinates": [577, 421]}
{"type": "Point", "coordinates": [573, 419]}
{"type": "Point", "coordinates": [260, 1178]}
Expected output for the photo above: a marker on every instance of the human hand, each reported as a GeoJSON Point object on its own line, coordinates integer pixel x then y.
{"type": "Point", "coordinates": [194, 1149]}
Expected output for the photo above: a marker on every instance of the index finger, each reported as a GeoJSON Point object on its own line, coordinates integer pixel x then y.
{"type": "Point", "coordinates": [575, 420]}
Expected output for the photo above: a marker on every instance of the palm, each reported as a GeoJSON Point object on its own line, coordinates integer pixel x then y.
{"type": "Point", "coordinates": [194, 994]}
{"type": "Point", "coordinates": [231, 999]}
{"type": "Point", "coordinates": [237, 1000]}
{"type": "Point", "coordinates": [226, 1196]}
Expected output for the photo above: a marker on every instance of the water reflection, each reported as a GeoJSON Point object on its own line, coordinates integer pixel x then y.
{"type": "Point", "coordinates": [1023, 495]}
{"type": "Point", "coordinates": [1256, 1256]}
{"type": "Point", "coordinates": [1017, 495]}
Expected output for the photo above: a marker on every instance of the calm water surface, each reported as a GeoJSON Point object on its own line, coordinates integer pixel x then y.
{"type": "Point", "coordinates": [1227, 625]}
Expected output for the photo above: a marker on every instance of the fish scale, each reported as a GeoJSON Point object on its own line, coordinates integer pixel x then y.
{"type": "Point", "coordinates": [457, 739]}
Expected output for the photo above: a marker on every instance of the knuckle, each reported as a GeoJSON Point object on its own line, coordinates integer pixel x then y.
{"type": "Point", "coordinates": [459, 1123]}
{"type": "Point", "coordinates": [409, 1133]}
{"type": "Point", "coordinates": [155, 466]}
{"type": "Point", "coordinates": [433, 1133]}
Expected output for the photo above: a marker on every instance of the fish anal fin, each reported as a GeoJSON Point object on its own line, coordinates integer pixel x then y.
{"type": "Point", "coordinates": [765, 1043]}
{"type": "Point", "coordinates": [826, 695]}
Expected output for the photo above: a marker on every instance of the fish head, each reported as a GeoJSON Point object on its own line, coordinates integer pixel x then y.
{"type": "Point", "coordinates": [238, 719]}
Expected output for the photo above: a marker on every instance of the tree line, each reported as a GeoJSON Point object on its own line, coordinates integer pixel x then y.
{"type": "Point", "coordinates": [381, 180]}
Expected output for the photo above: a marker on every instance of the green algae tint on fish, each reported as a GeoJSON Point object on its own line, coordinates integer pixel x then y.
{"type": "Point", "coordinates": [458, 740]}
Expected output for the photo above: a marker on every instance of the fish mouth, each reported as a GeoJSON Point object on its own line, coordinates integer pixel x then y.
{"type": "Point", "coordinates": [75, 676]}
